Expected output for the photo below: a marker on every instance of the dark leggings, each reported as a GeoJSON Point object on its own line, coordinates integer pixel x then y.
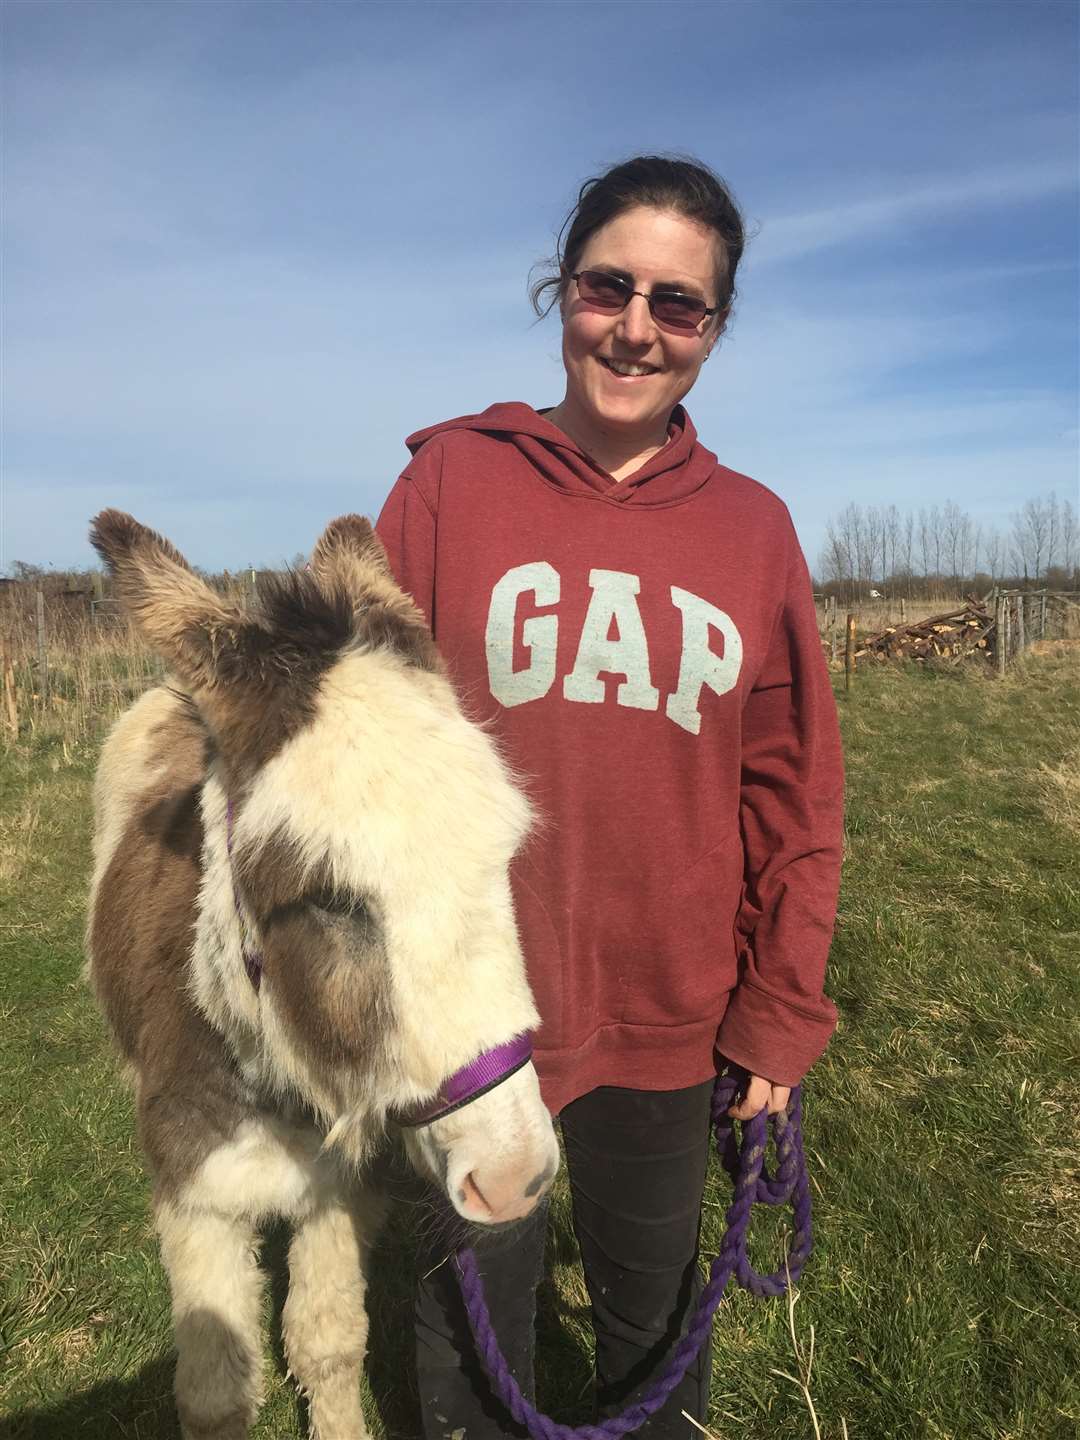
{"type": "Point", "coordinates": [636, 1161]}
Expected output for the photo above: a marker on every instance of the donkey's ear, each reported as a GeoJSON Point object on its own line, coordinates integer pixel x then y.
{"type": "Point", "coordinates": [349, 560]}
{"type": "Point", "coordinates": [349, 556]}
{"type": "Point", "coordinates": [186, 622]}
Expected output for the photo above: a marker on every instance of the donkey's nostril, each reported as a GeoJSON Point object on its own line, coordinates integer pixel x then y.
{"type": "Point", "coordinates": [537, 1183]}
{"type": "Point", "coordinates": [471, 1195]}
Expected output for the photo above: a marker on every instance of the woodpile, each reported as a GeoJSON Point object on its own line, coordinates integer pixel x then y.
{"type": "Point", "coordinates": [968, 631]}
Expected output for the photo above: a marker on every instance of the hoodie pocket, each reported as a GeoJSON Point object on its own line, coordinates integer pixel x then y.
{"type": "Point", "coordinates": [685, 956]}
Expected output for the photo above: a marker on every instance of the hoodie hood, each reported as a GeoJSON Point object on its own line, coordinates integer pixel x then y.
{"type": "Point", "coordinates": [673, 474]}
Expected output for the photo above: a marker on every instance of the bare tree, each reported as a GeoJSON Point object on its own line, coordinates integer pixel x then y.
{"type": "Point", "coordinates": [909, 544]}
{"type": "Point", "coordinates": [1030, 535]}
{"type": "Point", "coordinates": [865, 543]}
{"type": "Point", "coordinates": [1069, 543]}
{"type": "Point", "coordinates": [965, 545]}
{"type": "Point", "coordinates": [952, 521]}
{"type": "Point", "coordinates": [892, 541]}
{"type": "Point", "coordinates": [1053, 529]}
{"type": "Point", "coordinates": [976, 547]}
{"type": "Point", "coordinates": [926, 547]}
{"type": "Point", "coordinates": [836, 556]}
{"type": "Point", "coordinates": [937, 530]}
{"type": "Point", "coordinates": [994, 553]}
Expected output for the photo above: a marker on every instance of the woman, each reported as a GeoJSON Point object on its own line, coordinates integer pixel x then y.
{"type": "Point", "coordinates": [635, 622]}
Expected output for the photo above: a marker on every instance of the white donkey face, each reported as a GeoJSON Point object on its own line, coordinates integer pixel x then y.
{"type": "Point", "coordinates": [378, 891]}
{"type": "Point", "coordinates": [496, 1157]}
{"type": "Point", "coordinates": [373, 828]}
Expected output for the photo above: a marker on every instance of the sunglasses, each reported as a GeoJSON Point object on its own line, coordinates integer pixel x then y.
{"type": "Point", "coordinates": [669, 308]}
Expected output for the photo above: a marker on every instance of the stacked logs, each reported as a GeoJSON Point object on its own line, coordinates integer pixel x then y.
{"type": "Point", "coordinates": [968, 631]}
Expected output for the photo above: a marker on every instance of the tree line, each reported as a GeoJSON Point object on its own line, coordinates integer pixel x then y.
{"type": "Point", "coordinates": [940, 550]}
{"type": "Point", "coordinates": [932, 552]}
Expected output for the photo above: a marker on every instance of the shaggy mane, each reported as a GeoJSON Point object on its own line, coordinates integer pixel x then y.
{"type": "Point", "coordinates": [305, 624]}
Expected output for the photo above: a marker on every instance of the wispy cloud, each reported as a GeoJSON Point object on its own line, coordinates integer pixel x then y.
{"type": "Point", "coordinates": [936, 199]}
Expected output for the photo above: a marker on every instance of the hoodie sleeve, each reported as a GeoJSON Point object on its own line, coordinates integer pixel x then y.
{"type": "Point", "coordinates": [778, 1021]}
{"type": "Point", "coordinates": [406, 526]}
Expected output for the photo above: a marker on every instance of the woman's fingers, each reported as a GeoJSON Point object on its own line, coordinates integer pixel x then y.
{"type": "Point", "coordinates": [760, 1093]}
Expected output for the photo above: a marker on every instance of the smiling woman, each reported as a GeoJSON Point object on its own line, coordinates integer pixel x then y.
{"type": "Point", "coordinates": [634, 621]}
{"type": "Point", "coordinates": [626, 366]}
{"type": "Point", "coordinates": [644, 284]}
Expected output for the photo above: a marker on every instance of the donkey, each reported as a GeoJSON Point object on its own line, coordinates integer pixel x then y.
{"type": "Point", "coordinates": [300, 926]}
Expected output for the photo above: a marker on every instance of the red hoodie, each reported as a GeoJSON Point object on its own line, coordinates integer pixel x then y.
{"type": "Point", "coordinates": [647, 652]}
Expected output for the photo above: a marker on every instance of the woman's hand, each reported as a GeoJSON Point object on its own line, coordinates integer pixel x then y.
{"type": "Point", "coordinates": [759, 1093]}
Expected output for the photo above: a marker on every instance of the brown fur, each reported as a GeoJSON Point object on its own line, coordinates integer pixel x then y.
{"type": "Point", "coordinates": [265, 684]}
{"type": "Point", "coordinates": [349, 559]}
{"type": "Point", "coordinates": [310, 933]}
{"type": "Point", "coordinates": [348, 554]}
{"type": "Point", "coordinates": [255, 674]}
{"type": "Point", "coordinates": [381, 626]}
{"type": "Point", "coordinates": [345, 1017]}
{"type": "Point", "coordinates": [190, 1097]}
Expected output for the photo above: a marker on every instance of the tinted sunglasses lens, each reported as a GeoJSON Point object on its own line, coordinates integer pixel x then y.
{"type": "Point", "coordinates": [602, 291]}
{"type": "Point", "coordinates": [681, 312]}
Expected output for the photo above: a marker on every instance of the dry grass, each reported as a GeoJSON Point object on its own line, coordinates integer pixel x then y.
{"type": "Point", "coordinates": [876, 614]}
{"type": "Point", "coordinates": [94, 671]}
{"type": "Point", "coordinates": [1058, 789]}
{"type": "Point", "coordinates": [96, 665]}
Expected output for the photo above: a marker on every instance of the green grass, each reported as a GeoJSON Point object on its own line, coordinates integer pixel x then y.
{"type": "Point", "coordinates": [942, 1123]}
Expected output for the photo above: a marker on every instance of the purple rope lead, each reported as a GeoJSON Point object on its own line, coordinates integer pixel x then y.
{"type": "Point", "coordinates": [746, 1166]}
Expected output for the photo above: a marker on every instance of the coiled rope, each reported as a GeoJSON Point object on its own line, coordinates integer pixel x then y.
{"type": "Point", "coordinates": [745, 1163]}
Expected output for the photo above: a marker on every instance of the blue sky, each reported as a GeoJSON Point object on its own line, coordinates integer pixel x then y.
{"type": "Point", "coordinates": [250, 246]}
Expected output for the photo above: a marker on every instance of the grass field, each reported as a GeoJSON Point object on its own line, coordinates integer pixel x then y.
{"type": "Point", "coordinates": [942, 1124]}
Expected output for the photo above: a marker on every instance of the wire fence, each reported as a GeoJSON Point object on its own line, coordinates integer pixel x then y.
{"type": "Point", "coordinates": [69, 659]}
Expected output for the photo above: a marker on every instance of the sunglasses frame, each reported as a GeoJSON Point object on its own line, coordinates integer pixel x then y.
{"type": "Point", "coordinates": [650, 298]}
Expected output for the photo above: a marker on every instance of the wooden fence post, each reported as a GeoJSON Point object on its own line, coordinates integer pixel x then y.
{"type": "Point", "coordinates": [11, 699]}
{"type": "Point", "coordinates": [849, 651]}
{"type": "Point", "coordinates": [1042, 617]}
{"type": "Point", "coordinates": [1021, 634]}
{"type": "Point", "coordinates": [42, 652]}
{"type": "Point", "coordinates": [1001, 619]}
{"type": "Point", "coordinates": [903, 611]}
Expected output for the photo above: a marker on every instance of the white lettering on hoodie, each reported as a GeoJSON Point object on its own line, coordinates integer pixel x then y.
{"type": "Point", "coordinates": [540, 634]}
{"type": "Point", "coordinates": [613, 599]}
{"type": "Point", "coordinates": [613, 593]}
{"type": "Point", "coordinates": [699, 665]}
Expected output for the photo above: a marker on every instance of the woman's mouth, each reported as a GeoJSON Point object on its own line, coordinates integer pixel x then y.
{"type": "Point", "coordinates": [626, 369]}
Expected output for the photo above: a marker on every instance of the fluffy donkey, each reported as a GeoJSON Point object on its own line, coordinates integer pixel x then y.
{"type": "Point", "coordinates": [300, 927]}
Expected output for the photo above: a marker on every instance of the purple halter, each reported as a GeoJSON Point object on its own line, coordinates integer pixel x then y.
{"type": "Point", "coordinates": [468, 1083]}
{"type": "Point", "coordinates": [473, 1080]}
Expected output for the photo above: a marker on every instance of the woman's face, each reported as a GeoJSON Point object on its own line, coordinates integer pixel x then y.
{"type": "Point", "coordinates": [654, 249]}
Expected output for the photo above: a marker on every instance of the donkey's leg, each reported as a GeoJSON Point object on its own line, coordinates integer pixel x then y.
{"type": "Point", "coordinates": [217, 1310]}
{"type": "Point", "coordinates": [324, 1322]}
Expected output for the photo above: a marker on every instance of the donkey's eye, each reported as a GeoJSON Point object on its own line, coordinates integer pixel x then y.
{"type": "Point", "coordinates": [337, 902]}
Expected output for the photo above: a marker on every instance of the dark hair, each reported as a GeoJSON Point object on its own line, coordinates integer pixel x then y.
{"type": "Point", "coordinates": [661, 182]}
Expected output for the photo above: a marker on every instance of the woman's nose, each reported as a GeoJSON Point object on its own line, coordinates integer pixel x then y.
{"type": "Point", "coordinates": [636, 323]}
